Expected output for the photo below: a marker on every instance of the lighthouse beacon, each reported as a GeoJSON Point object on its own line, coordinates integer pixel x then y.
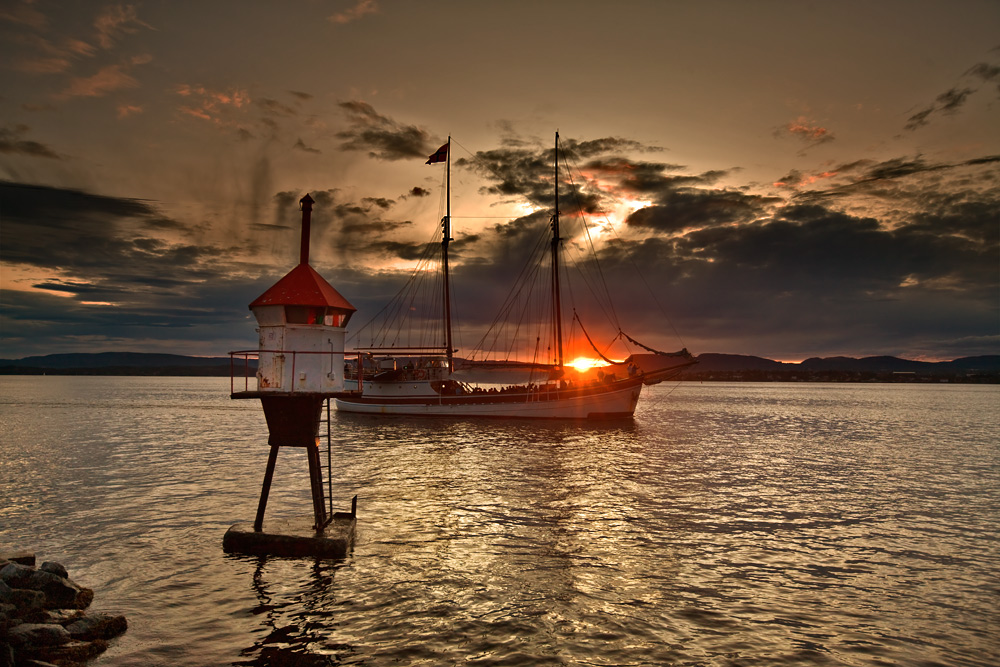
{"type": "Point", "coordinates": [302, 320]}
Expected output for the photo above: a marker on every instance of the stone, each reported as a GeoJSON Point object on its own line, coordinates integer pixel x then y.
{"type": "Point", "coordinates": [37, 663]}
{"type": "Point", "coordinates": [26, 601]}
{"type": "Point", "coordinates": [21, 557]}
{"type": "Point", "coordinates": [73, 652]}
{"type": "Point", "coordinates": [54, 568]}
{"type": "Point", "coordinates": [62, 616]}
{"type": "Point", "coordinates": [37, 635]}
{"type": "Point", "coordinates": [15, 575]}
{"type": "Point", "coordinates": [84, 598]}
{"type": "Point", "coordinates": [8, 616]}
{"type": "Point", "coordinates": [6, 655]}
{"type": "Point", "coordinates": [97, 626]}
{"type": "Point", "coordinates": [59, 592]}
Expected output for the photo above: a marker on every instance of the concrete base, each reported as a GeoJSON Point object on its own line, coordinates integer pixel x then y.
{"type": "Point", "coordinates": [293, 537]}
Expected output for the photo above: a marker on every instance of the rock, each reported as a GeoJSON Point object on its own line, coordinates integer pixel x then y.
{"type": "Point", "coordinates": [54, 568]}
{"type": "Point", "coordinates": [37, 635]}
{"type": "Point", "coordinates": [6, 655]}
{"type": "Point", "coordinates": [22, 557]}
{"type": "Point", "coordinates": [59, 592]}
{"type": "Point", "coordinates": [97, 626]}
{"type": "Point", "coordinates": [36, 663]}
{"type": "Point", "coordinates": [84, 598]}
{"type": "Point", "coordinates": [5, 590]}
{"type": "Point", "coordinates": [16, 575]}
{"type": "Point", "coordinates": [26, 601]}
{"type": "Point", "coordinates": [8, 617]}
{"type": "Point", "coordinates": [62, 616]}
{"type": "Point", "coordinates": [73, 652]}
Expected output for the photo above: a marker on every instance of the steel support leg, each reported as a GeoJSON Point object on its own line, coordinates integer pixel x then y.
{"type": "Point", "coordinates": [258, 523]}
{"type": "Point", "coordinates": [316, 483]}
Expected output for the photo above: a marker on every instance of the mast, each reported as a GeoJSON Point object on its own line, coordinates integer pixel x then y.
{"type": "Point", "coordinates": [556, 307]}
{"type": "Point", "coordinates": [446, 237]}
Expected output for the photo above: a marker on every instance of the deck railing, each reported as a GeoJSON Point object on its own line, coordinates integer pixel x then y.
{"type": "Point", "coordinates": [247, 356]}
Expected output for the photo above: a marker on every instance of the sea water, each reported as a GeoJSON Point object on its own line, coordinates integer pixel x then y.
{"type": "Point", "coordinates": [727, 524]}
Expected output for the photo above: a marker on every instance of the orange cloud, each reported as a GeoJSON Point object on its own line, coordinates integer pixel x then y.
{"type": "Point", "coordinates": [24, 14]}
{"type": "Point", "coordinates": [126, 110]}
{"type": "Point", "coordinates": [360, 8]}
{"type": "Point", "coordinates": [43, 66]}
{"type": "Point", "coordinates": [803, 129]}
{"type": "Point", "coordinates": [210, 104]}
{"type": "Point", "coordinates": [115, 21]}
{"type": "Point", "coordinates": [107, 80]}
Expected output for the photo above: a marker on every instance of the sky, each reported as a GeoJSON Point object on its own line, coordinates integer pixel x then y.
{"type": "Point", "coordinates": [780, 179]}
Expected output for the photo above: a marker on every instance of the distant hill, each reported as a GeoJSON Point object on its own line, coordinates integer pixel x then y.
{"type": "Point", "coordinates": [711, 366]}
{"type": "Point", "coordinates": [116, 363]}
{"type": "Point", "coordinates": [843, 369]}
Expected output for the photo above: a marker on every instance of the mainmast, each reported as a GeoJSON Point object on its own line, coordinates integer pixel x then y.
{"type": "Point", "coordinates": [556, 307]}
{"type": "Point", "coordinates": [446, 237]}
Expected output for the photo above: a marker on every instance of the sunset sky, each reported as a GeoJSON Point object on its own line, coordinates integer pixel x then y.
{"type": "Point", "coordinates": [790, 179]}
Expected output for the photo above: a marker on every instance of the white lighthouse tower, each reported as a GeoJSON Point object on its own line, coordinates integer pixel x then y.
{"type": "Point", "coordinates": [302, 323]}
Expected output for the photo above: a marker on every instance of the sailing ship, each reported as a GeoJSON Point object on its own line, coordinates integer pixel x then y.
{"type": "Point", "coordinates": [431, 380]}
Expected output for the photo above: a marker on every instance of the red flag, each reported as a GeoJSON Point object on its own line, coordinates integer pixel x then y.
{"type": "Point", "coordinates": [440, 156]}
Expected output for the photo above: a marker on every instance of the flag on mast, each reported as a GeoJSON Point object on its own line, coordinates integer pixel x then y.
{"type": "Point", "coordinates": [440, 156]}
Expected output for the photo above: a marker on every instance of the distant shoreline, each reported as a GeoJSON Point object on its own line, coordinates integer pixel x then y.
{"type": "Point", "coordinates": [711, 367]}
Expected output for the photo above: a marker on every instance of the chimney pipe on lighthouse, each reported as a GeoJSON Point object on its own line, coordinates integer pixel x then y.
{"type": "Point", "coordinates": [306, 204]}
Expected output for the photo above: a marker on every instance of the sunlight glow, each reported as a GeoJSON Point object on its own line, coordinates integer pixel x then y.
{"type": "Point", "coordinates": [582, 364]}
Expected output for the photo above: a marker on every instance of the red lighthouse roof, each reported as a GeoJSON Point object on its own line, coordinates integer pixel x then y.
{"type": "Point", "coordinates": [303, 286]}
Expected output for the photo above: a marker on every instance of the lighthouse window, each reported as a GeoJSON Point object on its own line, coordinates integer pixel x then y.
{"type": "Point", "coordinates": [304, 314]}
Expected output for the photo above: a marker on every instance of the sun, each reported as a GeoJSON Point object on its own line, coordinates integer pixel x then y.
{"type": "Point", "coordinates": [582, 364]}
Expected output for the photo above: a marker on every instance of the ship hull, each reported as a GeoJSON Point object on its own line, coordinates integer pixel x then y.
{"type": "Point", "coordinates": [612, 401]}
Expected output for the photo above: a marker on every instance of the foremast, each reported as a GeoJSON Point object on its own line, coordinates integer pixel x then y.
{"type": "Point", "coordinates": [556, 305]}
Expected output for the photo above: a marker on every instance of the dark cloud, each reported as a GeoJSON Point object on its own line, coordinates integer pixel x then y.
{"type": "Point", "coordinates": [418, 191]}
{"type": "Point", "coordinates": [301, 146]}
{"type": "Point", "coordinates": [572, 149]}
{"type": "Point", "coordinates": [732, 271]}
{"type": "Point", "coordinates": [380, 202]}
{"type": "Point", "coordinates": [835, 278]}
{"type": "Point", "coordinates": [523, 172]}
{"type": "Point", "coordinates": [950, 101]}
{"type": "Point", "coordinates": [947, 102]}
{"type": "Point", "coordinates": [367, 228]}
{"type": "Point", "coordinates": [380, 136]}
{"type": "Point", "coordinates": [689, 208]}
{"type": "Point", "coordinates": [639, 178]}
{"type": "Point", "coordinates": [105, 279]}
{"type": "Point", "coordinates": [12, 141]}
{"type": "Point", "coordinates": [274, 107]}
{"type": "Point", "coordinates": [405, 250]}
{"type": "Point", "coordinates": [514, 173]}
{"type": "Point", "coordinates": [866, 176]}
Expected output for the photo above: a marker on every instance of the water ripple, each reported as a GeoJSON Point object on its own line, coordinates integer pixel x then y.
{"type": "Point", "coordinates": [727, 525]}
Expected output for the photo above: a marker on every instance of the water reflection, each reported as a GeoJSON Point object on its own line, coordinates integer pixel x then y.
{"type": "Point", "coordinates": [730, 524]}
{"type": "Point", "coordinates": [295, 598]}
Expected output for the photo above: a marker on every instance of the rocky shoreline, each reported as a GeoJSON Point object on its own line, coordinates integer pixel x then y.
{"type": "Point", "coordinates": [42, 619]}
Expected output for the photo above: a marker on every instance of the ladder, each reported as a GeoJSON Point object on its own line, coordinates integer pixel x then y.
{"type": "Point", "coordinates": [325, 425]}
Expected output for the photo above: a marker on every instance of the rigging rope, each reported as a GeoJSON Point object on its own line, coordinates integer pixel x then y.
{"type": "Point", "coordinates": [577, 318]}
